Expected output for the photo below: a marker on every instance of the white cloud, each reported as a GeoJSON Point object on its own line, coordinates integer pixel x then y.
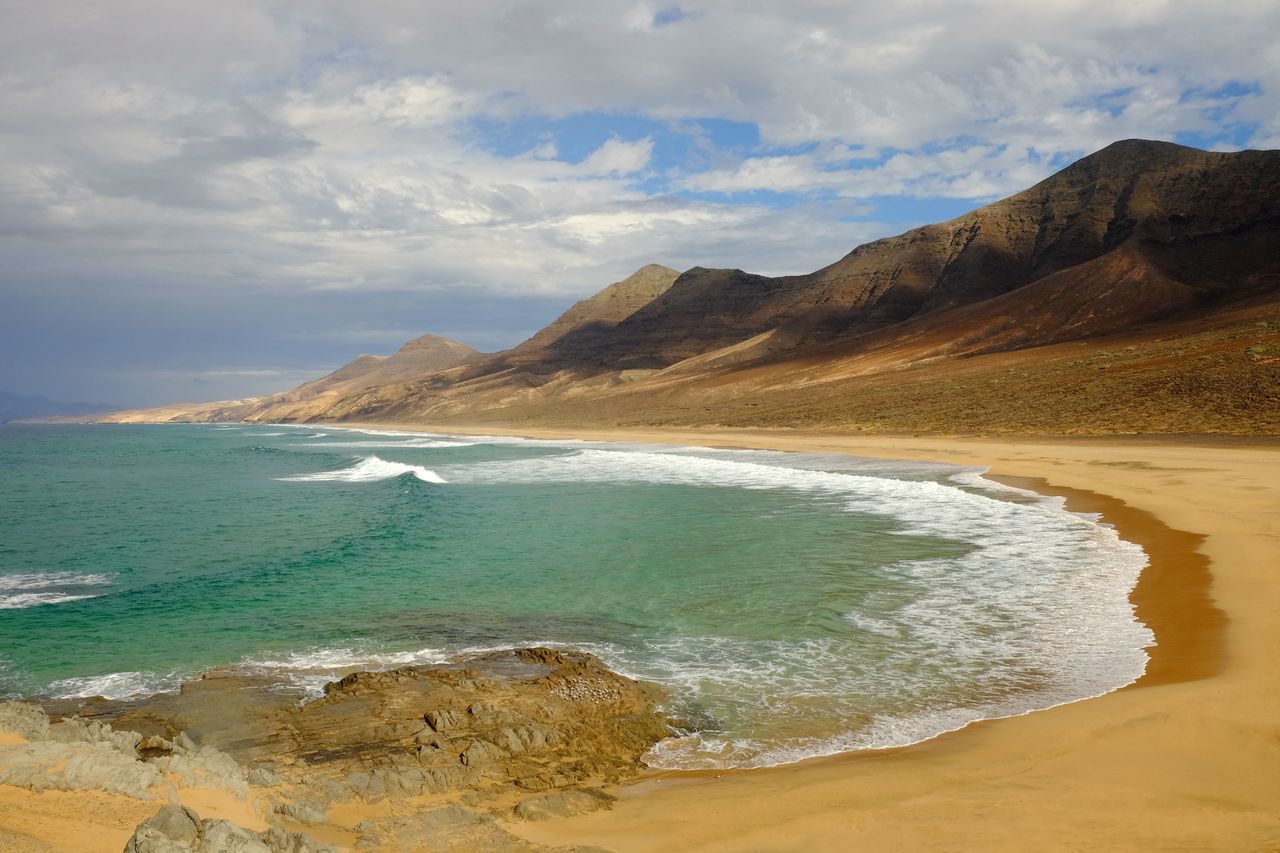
{"type": "Point", "coordinates": [618, 157]}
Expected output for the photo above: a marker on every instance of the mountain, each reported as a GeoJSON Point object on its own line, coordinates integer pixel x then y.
{"type": "Point", "coordinates": [1203, 223]}
{"type": "Point", "coordinates": [425, 354]}
{"type": "Point", "coordinates": [14, 407]}
{"type": "Point", "coordinates": [595, 317]}
{"type": "Point", "coordinates": [419, 357]}
{"type": "Point", "coordinates": [1135, 290]}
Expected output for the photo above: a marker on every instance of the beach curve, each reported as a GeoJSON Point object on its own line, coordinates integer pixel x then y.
{"type": "Point", "coordinates": [1187, 758]}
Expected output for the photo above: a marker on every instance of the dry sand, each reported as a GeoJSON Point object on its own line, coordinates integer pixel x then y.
{"type": "Point", "coordinates": [1187, 759]}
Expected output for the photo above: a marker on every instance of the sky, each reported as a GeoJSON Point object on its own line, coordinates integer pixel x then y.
{"type": "Point", "coordinates": [203, 201]}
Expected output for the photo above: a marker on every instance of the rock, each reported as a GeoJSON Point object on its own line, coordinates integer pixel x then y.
{"type": "Point", "coordinates": [176, 829]}
{"type": "Point", "coordinates": [221, 836]}
{"type": "Point", "coordinates": [51, 765]}
{"type": "Point", "coordinates": [451, 829]}
{"type": "Point", "coordinates": [329, 791]}
{"type": "Point", "coordinates": [154, 746]}
{"type": "Point", "coordinates": [79, 754]}
{"type": "Point", "coordinates": [303, 812]}
{"type": "Point", "coordinates": [442, 720]}
{"type": "Point", "coordinates": [501, 716]}
{"type": "Point", "coordinates": [263, 778]}
{"type": "Point", "coordinates": [528, 719]}
{"type": "Point", "coordinates": [567, 803]}
{"type": "Point", "coordinates": [24, 719]}
{"type": "Point", "coordinates": [77, 730]}
{"type": "Point", "coordinates": [205, 766]}
{"type": "Point", "coordinates": [173, 829]}
{"type": "Point", "coordinates": [481, 752]}
{"type": "Point", "coordinates": [532, 739]}
{"type": "Point", "coordinates": [428, 737]}
{"type": "Point", "coordinates": [438, 780]}
{"type": "Point", "coordinates": [280, 841]}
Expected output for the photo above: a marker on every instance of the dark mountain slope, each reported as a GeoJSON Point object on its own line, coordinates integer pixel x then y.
{"type": "Point", "coordinates": [1208, 220]}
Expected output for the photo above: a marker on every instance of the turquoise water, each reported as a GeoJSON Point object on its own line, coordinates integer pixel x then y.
{"type": "Point", "coordinates": [795, 605]}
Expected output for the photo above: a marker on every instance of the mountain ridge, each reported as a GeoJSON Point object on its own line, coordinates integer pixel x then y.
{"type": "Point", "coordinates": [1136, 235]}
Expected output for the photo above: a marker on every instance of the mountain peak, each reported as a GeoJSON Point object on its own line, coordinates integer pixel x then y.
{"type": "Point", "coordinates": [607, 308]}
{"type": "Point", "coordinates": [446, 347]}
{"type": "Point", "coordinates": [1128, 157]}
{"type": "Point", "coordinates": [649, 270]}
{"type": "Point", "coordinates": [1137, 147]}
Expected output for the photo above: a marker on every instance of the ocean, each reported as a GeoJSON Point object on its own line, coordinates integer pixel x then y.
{"type": "Point", "coordinates": [794, 605]}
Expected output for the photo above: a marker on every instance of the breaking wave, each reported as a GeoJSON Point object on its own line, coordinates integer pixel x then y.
{"type": "Point", "coordinates": [32, 589]}
{"type": "Point", "coordinates": [368, 470]}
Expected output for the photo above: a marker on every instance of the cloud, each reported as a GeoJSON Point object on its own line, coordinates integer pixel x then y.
{"type": "Point", "coordinates": [975, 171]}
{"type": "Point", "coordinates": [254, 164]}
{"type": "Point", "coordinates": [617, 157]}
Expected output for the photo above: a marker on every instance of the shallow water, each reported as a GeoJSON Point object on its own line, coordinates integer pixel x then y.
{"type": "Point", "coordinates": [796, 605]}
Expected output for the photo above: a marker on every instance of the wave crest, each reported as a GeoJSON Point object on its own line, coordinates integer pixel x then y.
{"type": "Point", "coordinates": [31, 589]}
{"type": "Point", "coordinates": [370, 469]}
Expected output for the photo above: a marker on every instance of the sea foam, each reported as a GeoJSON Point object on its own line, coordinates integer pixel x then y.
{"type": "Point", "coordinates": [31, 589]}
{"type": "Point", "coordinates": [309, 670]}
{"type": "Point", "coordinates": [1036, 613]}
{"type": "Point", "coordinates": [367, 470]}
{"type": "Point", "coordinates": [114, 685]}
{"type": "Point", "coordinates": [409, 443]}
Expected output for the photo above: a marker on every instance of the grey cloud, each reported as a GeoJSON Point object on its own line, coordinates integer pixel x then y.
{"type": "Point", "coordinates": [241, 184]}
{"type": "Point", "coordinates": [199, 174]}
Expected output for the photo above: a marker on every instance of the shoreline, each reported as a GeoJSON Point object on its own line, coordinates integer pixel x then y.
{"type": "Point", "coordinates": [1171, 595]}
{"type": "Point", "coordinates": [1076, 501]}
{"type": "Point", "coordinates": [1186, 756]}
{"type": "Point", "coordinates": [1150, 597]}
{"type": "Point", "coordinates": [1155, 493]}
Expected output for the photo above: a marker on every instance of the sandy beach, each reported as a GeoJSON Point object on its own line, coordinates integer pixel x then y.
{"type": "Point", "coordinates": [1187, 759]}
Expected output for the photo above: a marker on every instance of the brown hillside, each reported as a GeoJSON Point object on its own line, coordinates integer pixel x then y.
{"type": "Point", "coordinates": [1135, 290]}
{"type": "Point", "coordinates": [608, 308]}
{"type": "Point", "coordinates": [1208, 220]}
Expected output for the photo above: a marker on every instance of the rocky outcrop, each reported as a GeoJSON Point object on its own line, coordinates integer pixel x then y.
{"type": "Point", "coordinates": [562, 804]}
{"type": "Point", "coordinates": [177, 829]}
{"type": "Point", "coordinates": [77, 754]}
{"type": "Point", "coordinates": [497, 724]}
{"type": "Point", "coordinates": [73, 755]}
{"type": "Point", "coordinates": [529, 734]}
{"type": "Point", "coordinates": [532, 719]}
{"type": "Point", "coordinates": [526, 735]}
{"type": "Point", "coordinates": [23, 719]}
